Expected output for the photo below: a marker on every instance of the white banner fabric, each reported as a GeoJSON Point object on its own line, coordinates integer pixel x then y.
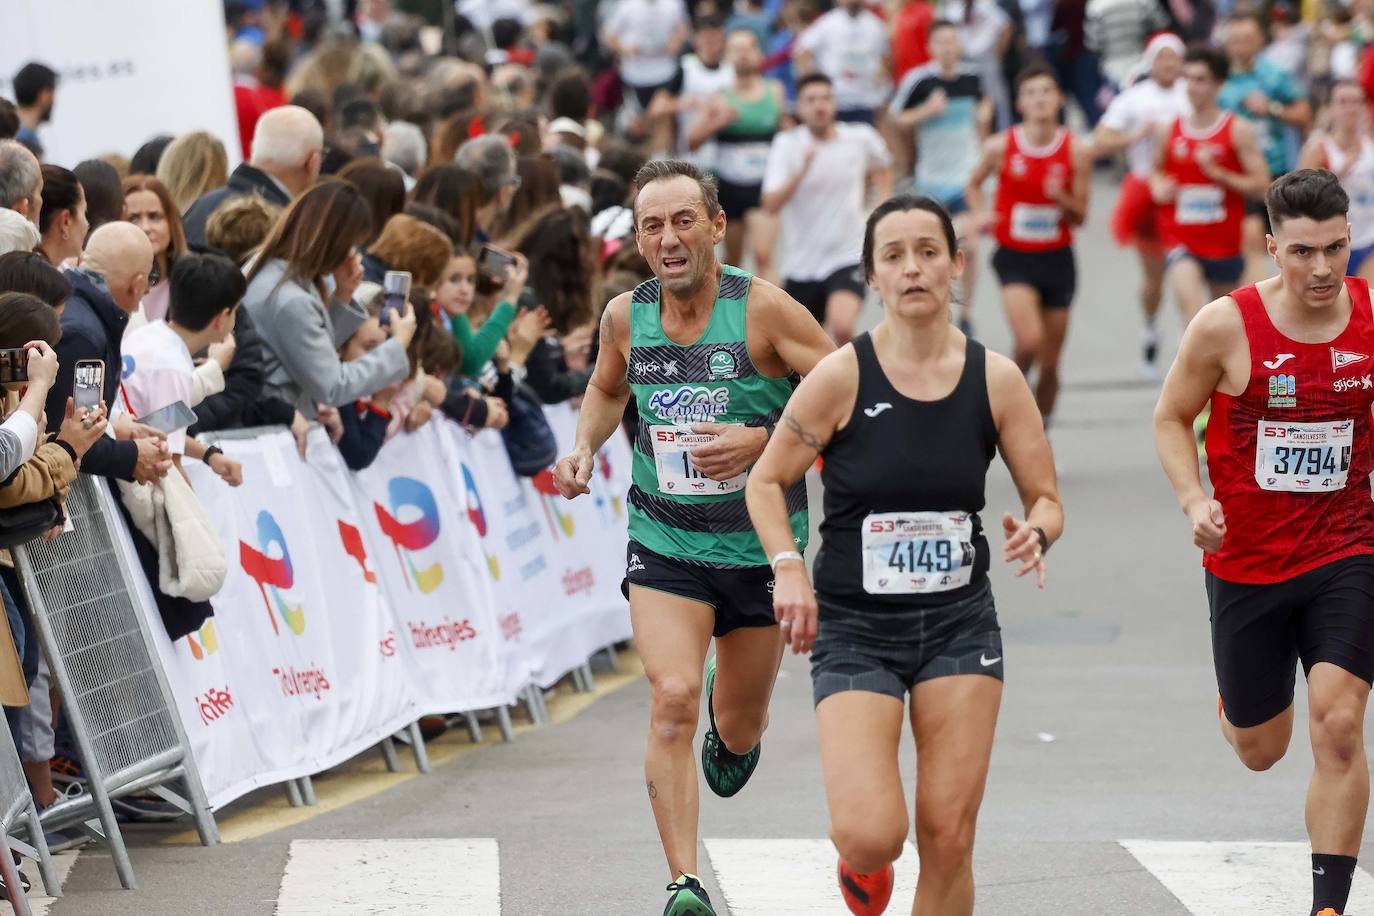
{"type": "Point", "coordinates": [430, 582]}
{"type": "Point", "coordinates": [127, 72]}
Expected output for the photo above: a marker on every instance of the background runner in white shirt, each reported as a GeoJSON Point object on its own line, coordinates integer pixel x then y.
{"type": "Point", "coordinates": [851, 46]}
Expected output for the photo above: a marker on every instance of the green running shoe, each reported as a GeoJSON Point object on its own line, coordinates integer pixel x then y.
{"type": "Point", "coordinates": [726, 772]}
{"type": "Point", "coordinates": [689, 898]}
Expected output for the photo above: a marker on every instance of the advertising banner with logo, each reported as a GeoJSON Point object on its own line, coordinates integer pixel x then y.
{"type": "Point", "coordinates": [126, 72]}
{"type": "Point", "coordinates": [357, 602]}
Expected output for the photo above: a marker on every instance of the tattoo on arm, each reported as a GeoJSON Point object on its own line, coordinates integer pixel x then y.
{"type": "Point", "coordinates": [810, 441]}
{"type": "Point", "coordinates": [653, 793]}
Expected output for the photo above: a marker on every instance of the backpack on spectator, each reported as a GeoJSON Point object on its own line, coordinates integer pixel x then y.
{"type": "Point", "coordinates": [529, 439]}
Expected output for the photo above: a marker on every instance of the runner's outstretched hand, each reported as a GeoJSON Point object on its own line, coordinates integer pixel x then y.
{"type": "Point", "coordinates": [572, 474]}
{"type": "Point", "coordinates": [794, 606]}
{"type": "Point", "coordinates": [1023, 545]}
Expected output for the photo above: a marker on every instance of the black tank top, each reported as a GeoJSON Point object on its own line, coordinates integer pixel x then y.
{"type": "Point", "coordinates": [900, 455]}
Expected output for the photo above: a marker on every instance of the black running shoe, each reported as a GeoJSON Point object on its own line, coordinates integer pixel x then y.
{"type": "Point", "coordinates": [726, 772]}
{"type": "Point", "coordinates": [688, 898]}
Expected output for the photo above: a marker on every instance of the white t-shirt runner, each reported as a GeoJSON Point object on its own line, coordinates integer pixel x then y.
{"type": "Point", "coordinates": [823, 222]}
{"type": "Point", "coordinates": [851, 50]}
{"type": "Point", "coordinates": [1146, 104]}
{"type": "Point", "coordinates": [647, 25]}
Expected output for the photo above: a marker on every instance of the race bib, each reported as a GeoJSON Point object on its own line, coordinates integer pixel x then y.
{"type": "Point", "coordinates": [1303, 457]}
{"type": "Point", "coordinates": [906, 553]}
{"type": "Point", "coordinates": [676, 473]}
{"type": "Point", "coordinates": [1035, 222]}
{"type": "Point", "coordinates": [742, 163]}
{"type": "Point", "coordinates": [1198, 204]}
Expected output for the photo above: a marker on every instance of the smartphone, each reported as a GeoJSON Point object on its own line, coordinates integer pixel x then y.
{"type": "Point", "coordinates": [14, 365]}
{"type": "Point", "coordinates": [528, 301]}
{"type": "Point", "coordinates": [395, 292]}
{"type": "Point", "coordinates": [171, 418]}
{"type": "Point", "coordinates": [493, 262]}
{"type": "Point", "coordinates": [90, 384]}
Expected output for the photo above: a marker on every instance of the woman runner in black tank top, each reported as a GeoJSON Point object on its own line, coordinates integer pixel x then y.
{"type": "Point", "coordinates": [907, 420]}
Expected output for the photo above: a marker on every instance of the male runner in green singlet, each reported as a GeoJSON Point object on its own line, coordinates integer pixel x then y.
{"type": "Point", "coordinates": [708, 352]}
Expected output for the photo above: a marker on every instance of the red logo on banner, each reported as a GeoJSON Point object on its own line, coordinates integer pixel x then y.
{"type": "Point", "coordinates": [353, 546]}
{"type": "Point", "coordinates": [548, 496]}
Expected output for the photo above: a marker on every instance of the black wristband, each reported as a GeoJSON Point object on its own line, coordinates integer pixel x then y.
{"type": "Point", "coordinates": [213, 450]}
{"type": "Point", "coordinates": [1044, 541]}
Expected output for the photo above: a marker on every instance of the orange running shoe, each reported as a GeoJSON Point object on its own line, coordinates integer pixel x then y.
{"type": "Point", "coordinates": [865, 895]}
{"type": "Point", "coordinates": [1328, 912]}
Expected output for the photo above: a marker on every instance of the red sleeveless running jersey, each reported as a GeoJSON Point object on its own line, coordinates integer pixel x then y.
{"type": "Point", "coordinates": [1205, 216]}
{"type": "Point", "coordinates": [1290, 457]}
{"type": "Point", "coordinates": [1027, 219]}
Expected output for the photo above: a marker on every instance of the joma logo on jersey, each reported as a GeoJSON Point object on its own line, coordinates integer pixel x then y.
{"type": "Point", "coordinates": [1283, 391]}
{"type": "Point", "coordinates": [690, 403]}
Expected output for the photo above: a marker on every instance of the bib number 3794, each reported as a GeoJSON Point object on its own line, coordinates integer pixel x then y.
{"type": "Point", "coordinates": [907, 553]}
{"type": "Point", "coordinates": [1303, 457]}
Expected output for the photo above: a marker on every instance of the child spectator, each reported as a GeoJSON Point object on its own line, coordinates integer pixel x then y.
{"type": "Point", "coordinates": [240, 226]}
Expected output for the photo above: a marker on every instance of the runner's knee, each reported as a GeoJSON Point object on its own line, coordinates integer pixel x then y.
{"type": "Point", "coordinates": [945, 841]}
{"type": "Point", "coordinates": [868, 841]}
{"type": "Point", "coordinates": [1337, 738]}
{"type": "Point", "coordinates": [1259, 752]}
{"type": "Point", "coordinates": [673, 714]}
{"type": "Point", "coordinates": [740, 729]}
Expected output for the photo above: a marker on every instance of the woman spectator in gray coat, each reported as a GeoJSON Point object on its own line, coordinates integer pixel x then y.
{"type": "Point", "coordinates": [300, 292]}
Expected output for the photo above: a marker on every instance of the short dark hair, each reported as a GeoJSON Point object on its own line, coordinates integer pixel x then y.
{"type": "Point", "coordinates": [29, 272]}
{"type": "Point", "coordinates": [61, 191]}
{"type": "Point", "coordinates": [9, 120]}
{"type": "Point", "coordinates": [360, 112]}
{"type": "Point", "coordinates": [104, 191]}
{"type": "Point", "coordinates": [570, 95]}
{"type": "Point", "coordinates": [202, 286]}
{"type": "Point", "coordinates": [1031, 72]}
{"type": "Point", "coordinates": [25, 317]}
{"type": "Point", "coordinates": [939, 24]}
{"type": "Point", "coordinates": [31, 81]}
{"type": "Point", "coordinates": [901, 203]}
{"type": "Point", "coordinates": [1214, 58]}
{"type": "Point", "coordinates": [1313, 193]}
{"type": "Point", "coordinates": [664, 169]}
{"type": "Point", "coordinates": [1239, 17]}
{"type": "Point", "coordinates": [811, 79]}
{"type": "Point", "coordinates": [149, 155]}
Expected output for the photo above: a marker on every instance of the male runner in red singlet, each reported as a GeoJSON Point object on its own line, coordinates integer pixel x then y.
{"type": "Point", "coordinates": [1208, 163]}
{"type": "Point", "coordinates": [1288, 533]}
{"type": "Point", "coordinates": [1044, 175]}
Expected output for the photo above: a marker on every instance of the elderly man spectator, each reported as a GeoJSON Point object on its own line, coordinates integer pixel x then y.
{"type": "Point", "coordinates": [106, 290]}
{"type": "Point", "coordinates": [288, 147]}
{"type": "Point", "coordinates": [21, 180]}
{"type": "Point", "coordinates": [491, 159]}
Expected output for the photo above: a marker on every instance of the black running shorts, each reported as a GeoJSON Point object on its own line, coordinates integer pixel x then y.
{"type": "Point", "coordinates": [1052, 274]}
{"type": "Point", "coordinates": [814, 294]}
{"type": "Point", "coordinates": [741, 595]}
{"type": "Point", "coordinates": [890, 651]}
{"type": "Point", "coordinates": [1260, 632]}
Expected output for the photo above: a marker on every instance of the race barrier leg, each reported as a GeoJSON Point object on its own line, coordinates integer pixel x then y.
{"type": "Point", "coordinates": [388, 746]}
{"type": "Point", "coordinates": [17, 812]}
{"type": "Point", "coordinates": [417, 747]}
{"type": "Point", "coordinates": [474, 727]}
{"type": "Point", "coordinates": [83, 598]}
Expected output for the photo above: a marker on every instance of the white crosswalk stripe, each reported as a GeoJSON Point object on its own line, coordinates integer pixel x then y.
{"type": "Point", "coordinates": [1257, 879]}
{"type": "Point", "coordinates": [796, 877]}
{"type": "Point", "coordinates": [419, 877]}
{"type": "Point", "coordinates": [39, 901]}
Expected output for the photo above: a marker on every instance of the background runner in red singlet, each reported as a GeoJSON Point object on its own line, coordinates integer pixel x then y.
{"type": "Point", "coordinates": [1288, 534]}
{"type": "Point", "coordinates": [1044, 175]}
{"type": "Point", "coordinates": [1207, 163]}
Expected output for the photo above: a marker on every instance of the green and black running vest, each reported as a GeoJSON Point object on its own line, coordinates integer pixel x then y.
{"type": "Point", "coordinates": [710, 381]}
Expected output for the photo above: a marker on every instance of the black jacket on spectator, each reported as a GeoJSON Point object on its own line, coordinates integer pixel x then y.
{"type": "Point", "coordinates": [244, 180]}
{"type": "Point", "coordinates": [92, 328]}
{"type": "Point", "coordinates": [547, 372]}
{"type": "Point", "coordinates": [242, 402]}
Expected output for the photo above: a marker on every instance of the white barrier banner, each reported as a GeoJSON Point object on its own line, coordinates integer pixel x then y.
{"type": "Point", "coordinates": [357, 602]}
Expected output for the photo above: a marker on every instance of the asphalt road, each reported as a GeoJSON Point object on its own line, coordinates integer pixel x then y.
{"type": "Point", "coordinates": [1108, 729]}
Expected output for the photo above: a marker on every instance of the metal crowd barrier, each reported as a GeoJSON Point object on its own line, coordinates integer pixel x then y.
{"type": "Point", "coordinates": [84, 600]}
{"type": "Point", "coordinates": [17, 812]}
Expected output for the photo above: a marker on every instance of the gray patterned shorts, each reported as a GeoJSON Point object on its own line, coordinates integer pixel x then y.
{"type": "Point", "coordinates": [891, 651]}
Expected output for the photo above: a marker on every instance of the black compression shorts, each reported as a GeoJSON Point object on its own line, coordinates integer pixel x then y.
{"type": "Point", "coordinates": [1260, 632]}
